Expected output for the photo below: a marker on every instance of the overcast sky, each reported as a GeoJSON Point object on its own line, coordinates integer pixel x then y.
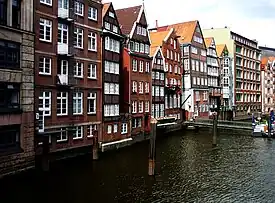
{"type": "Point", "coordinates": [254, 19]}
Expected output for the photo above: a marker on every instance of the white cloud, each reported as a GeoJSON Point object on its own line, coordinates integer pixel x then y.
{"type": "Point", "coordinates": [245, 17]}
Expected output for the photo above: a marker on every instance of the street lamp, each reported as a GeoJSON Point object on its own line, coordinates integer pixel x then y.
{"type": "Point", "coordinates": [152, 149]}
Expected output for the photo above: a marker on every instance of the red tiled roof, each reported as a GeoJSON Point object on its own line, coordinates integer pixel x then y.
{"type": "Point", "coordinates": [208, 41]}
{"type": "Point", "coordinates": [127, 17]}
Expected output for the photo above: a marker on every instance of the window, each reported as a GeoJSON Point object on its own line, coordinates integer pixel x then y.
{"type": "Point", "coordinates": [62, 104]}
{"type": "Point", "coordinates": [194, 80]}
{"type": "Point", "coordinates": [175, 44]}
{"type": "Point", "coordinates": [134, 106]}
{"type": "Point", "coordinates": [134, 65]}
{"type": "Point", "coordinates": [137, 47]}
{"type": "Point", "coordinates": [79, 8]}
{"type": "Point", "coordinates": [147, 89]}
{"type": "Point", "coordinates": [140, 107]}
{"type": "Point", "coordinates": [78, 132]}
{"type": "Point", "coordinates": [62, 136]}
{"type": "Point", "coordinates": [111, 14]}
{"type": "Point", "coordinates": [45, 65]}
{"type": "Point", "coordinates": [77, 103]}
{"type": "Point", "coordinates": [194, 50]}
{"type": "Point", "coordinates": [143, 31]}
{"type": "Point", "coordinates": [203, 52]}
{"type": "Point", "coordinates": [78, 38]}
{"type": "Point", "coordinates": [45, 103]}
{"type": "Point", "coordinates": [147, 48]}
{"type": "Point", "coordinates": [115, 29]}
{"type": "Point", "coordinates": [91, 130]}
{"type": "Point", "coordinates": [147, 106]}
{"type": "Point", "coordinates": [141, 66]}
{"type": "Point", "coordinates": [92, 13]}
{"type": "Point", "coordinates": [123, 128]}
{"type": "Point", "coordinates": [92, 71]}
{"type": "Point", "coordinates": [45, 33]}
{"type": "Point", "coordinates": [147, 67]}
{"type": "Point", "coordinates": [111, 67]}
{"type": "Point", "coordinates": [140, 87]}
{"type": "Point", "coordinates": [138, 30]}
{"type": "Point", "coordinates": [112, 45]}
{"type": "Point", "coordinates": [16, 13]}
{"type": "Point", "coordinates": [47, 2]}
{"type": "Point", "coordinates": [161, 91]}
{"type": "Point", "coordinates": [109, 129]}
{"type": "Point", "coordinates": [111, 110]}
{"type": "Point", "coordinates": [198, 39]}
{"type": "Point", "coordinates": [142, 48]}
{"type": "Point", "coordinates": [91, 103]}
{"type": "Point", "coordinates": [62, 33]}
{"type": "Point", "coordinates": [10, 137]}
{"type": "Point", "coordinates": [161, 76]}
{"type": "Point", "coordinates": [111, 88]}
{"type": "Point", "coordinates": [134, 86]}
{"type": "Point", "coordinates": [63, 4]}
{"type": "Point", "coordinates": [9, 54]}
{"type": "Point", "coordinates": [115, 128]}
{"type": "Point", "coordinates": [92, 41]}
{"type": "Point", "coordinates": [78, 70]}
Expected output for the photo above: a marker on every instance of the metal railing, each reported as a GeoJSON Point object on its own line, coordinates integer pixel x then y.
{"type": "Point", "coordinates": [234, 124]}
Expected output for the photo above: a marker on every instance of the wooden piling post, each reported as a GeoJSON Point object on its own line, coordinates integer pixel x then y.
{"type": "Point", "coordinates": [269, 126]}
{"type": "Point", "coordinates": [152, 148]}
{"type": "Point", "coordinates": [215, 129]}
{"type": "Point", "coordinates": [95, 145]}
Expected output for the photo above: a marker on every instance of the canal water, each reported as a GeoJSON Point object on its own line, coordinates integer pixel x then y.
{"type": "Point", "coordinates": [188, 169]}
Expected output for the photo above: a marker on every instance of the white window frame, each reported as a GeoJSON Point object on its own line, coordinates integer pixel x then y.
{"type": "Point", "coordinates": [141, 66]}
{"type": "Point", "coordinates": [78, 36]}
{"type": "Point", "coordinates": [47, 24]}
{"type": "Point", "coordinates": [61, 4]}
{"type": "Point", "coordinates": [92, 71]}
{"type": "Point", "coordinates": [134, 86]}
{"type": "Point", "coordinates": [109, 129]}
{"type": "Point", "coordinates": [115, 29]}
{"type": "Point", "coordinates": [147, 67]}
{"type": "Point", "coordinates": [79, 8]}
{"type": "Point", "coordinates": [77, 98]}
{"type": "Point", "coordinates": [64, 30]}
{"type": "Point", "coordinates": [92, 13]}
{"type": "Point", "coordinates": [43, 98]}
{"type": "Point", "coordinates": [91, 129]}
{"type": "Point", "coordinates": [124, 127]}
{"type": "Point", "coordinates": [107, 25]}
{"type": "Point", "coordinates": [78, 133]}
{"type": "Point", "coordinates": [147, 49]}
{"type": "Point", "coordinates": [92, 41]}
{"type": "Point", "coordinates": [147, 88]}
{"type": "Point", "coordinates": [115, 128]}
{"type": "Point", "coordinates": [46, 3]}
{"type": "Point", "coordinates": [43, 63]}
{"type": "Point", "coordinates": [62, 98]}
{"type": "Point", "coordinates": [147, 106]}
{"type": "Point", "coordinates": [140, 87]}
{"type": "Point", "coordinates": [134, 106]}
{"type": "Point", "coordinates": [134, 65]}
{"type": "Point", "coordinates": [63, 135]}
{"type": "Point", "coordinates": [140, 107]}
{"type": "Point", "coordinates": [91, 99]}
{"type": "Point", "coordinates": [79, 66]}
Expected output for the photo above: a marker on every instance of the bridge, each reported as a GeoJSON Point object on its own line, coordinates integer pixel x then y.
{"type": "Point", "coordinates": [221, 124]}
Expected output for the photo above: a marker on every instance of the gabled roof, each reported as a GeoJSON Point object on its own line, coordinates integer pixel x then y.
{"type": "Point", "coordinates": [220, 48]}
{"type": "Point", "coordinates": [157, 38]}
{"type": "Point", "coordinates": [127, 17]}
{"type": "Point", "coordinates": [208, 41]}
{"type": "Point", "coordinates": [105, 8]}
{"type": "Point", "coordinates": [154, 50]}
{"type": "Point", "coordinates": [185, 30]}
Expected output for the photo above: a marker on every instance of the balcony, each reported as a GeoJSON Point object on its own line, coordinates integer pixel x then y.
{"type": "Point", "coordinates": [62, 49]}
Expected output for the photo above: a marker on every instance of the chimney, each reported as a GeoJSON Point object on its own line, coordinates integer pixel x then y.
{"type": "Point", "coordinates": [157, 24]}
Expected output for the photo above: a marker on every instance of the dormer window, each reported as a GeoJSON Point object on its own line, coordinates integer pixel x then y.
{"type": "Point", "coordinates": [137, 47]}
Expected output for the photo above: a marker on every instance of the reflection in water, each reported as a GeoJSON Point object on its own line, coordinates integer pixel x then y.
{"type": "Point", "coordinates": [188, 168]}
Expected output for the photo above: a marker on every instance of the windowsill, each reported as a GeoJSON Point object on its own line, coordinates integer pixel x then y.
{"type": "Point", "coordinates": [123, 133]}
{"type": "Point", "coordinates": [79, 77]}
{"type": "Point", "coordinates": [61, 114]}
{"type": "Point", "coordinates": [91, 19]}
{"type": "Point", "coordinates": [12, 69]}
{"type": "Point", "coordinates": [90, 78]}
{"type": "Point", "coordinates": [91, 113]}
{"type": "Point", "coordinates": [78, 47]}
{"type": "Point", "coordinates": [45, 74]}
{"type": "Point", "coordinates": [47, 41]}
{"type": "Point", "coordinates": [77, 114]}
{"type": "Point", "coordinates": [80, 15]}
{"type": "Point", "coordinates": [78, 138]}
{"type": "Point", "coordinates": [90, 136]}
{"type": "Point", "coordinates": [61, 141]}
{"type": "Point", "coordinates": [92, 50]}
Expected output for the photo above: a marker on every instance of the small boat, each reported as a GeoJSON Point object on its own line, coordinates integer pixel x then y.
{"type": "Point", "coordinates": [260, 128]}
